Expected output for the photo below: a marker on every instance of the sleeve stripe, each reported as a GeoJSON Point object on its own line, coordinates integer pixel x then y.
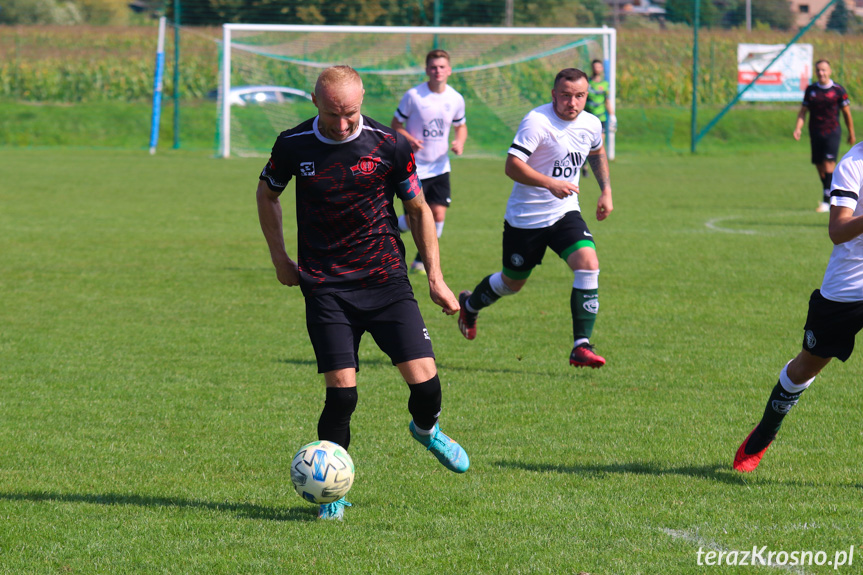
{"type": "Point", "coordinates": [524, 151]}
{"type": "Point", "coordinates": [458, 120]}
{"type": "Point", "coordinates": [844, 194]}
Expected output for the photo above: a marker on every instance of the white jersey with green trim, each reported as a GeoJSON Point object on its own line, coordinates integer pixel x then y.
{"type": "Point", "coordinates": [556, 148]}
{"type": "Point", "coordinates": [843, 280]}
{"type": "Point", "coordinates": [427, 116]}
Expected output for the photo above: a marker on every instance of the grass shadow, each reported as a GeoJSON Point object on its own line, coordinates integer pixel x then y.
{"type": "Point", "coordinates": [720, 472]}
{"type": "Point", "coordinates": [244, 510]}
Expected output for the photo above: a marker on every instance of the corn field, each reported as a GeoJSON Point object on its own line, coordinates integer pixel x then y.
{"type": "Point", "coordinates": [92, 64]}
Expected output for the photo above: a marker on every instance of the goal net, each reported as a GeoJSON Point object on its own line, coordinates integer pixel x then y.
{"type": "Point", "coordinates": [268, 73]}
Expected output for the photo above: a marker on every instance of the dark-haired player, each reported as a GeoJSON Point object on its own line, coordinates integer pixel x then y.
{"type": "Point", "coordinates": [835, 311]}
{"type": "Point", "coordinates": [351, 266]}
{"type": "Point", "coordinates": [545, 160]}
{"type": "Point", "coordinates": [824, 100]}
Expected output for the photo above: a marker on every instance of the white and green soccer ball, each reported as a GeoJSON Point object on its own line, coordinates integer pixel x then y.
{"type": "Point", "coordinates": [322, 472]}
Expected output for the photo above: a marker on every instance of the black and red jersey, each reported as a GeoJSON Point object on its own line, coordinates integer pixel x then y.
{"type": "Point", "coordinates": [347, 228]}
{"type": "Point", "coordinates": [824, 105]}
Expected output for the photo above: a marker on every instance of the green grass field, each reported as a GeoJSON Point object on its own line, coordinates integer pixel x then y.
{"type": "Point", "coordinates": [157, 380]}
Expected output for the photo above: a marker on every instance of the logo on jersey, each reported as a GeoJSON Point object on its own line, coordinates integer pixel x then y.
{"type": "Point", "coordinates": [426, 334]}
{"type": "Point", "coordinates": [517, 260]}
{"type": "Point", "coordinates": [434, 129]}
{"type": "Point", "coordinates": [810, 339]}
{"type": "Point", "coordinates": [367, 165]}
{"type": "Point", "coordinates": [307, 168]}
{"type": "Point", "coordinates": [568, 166]}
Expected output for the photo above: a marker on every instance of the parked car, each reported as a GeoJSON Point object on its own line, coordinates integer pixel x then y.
{"type": "Point", "coordinates": [245, 95]}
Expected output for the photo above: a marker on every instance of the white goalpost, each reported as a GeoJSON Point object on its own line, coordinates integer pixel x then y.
{"type": "Point", "coordinates": [501, 72]}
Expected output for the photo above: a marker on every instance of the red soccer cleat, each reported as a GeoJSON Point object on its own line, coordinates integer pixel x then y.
{"type": "Point", "coordinates": [744, 462]}
{"type": "Point", "coordinates": [466, 320]}
{"type": "Point", "coordinates": [584, 356]}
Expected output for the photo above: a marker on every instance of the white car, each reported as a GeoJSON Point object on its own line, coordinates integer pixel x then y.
{"type": "Point", "coordinates": [245, 95]}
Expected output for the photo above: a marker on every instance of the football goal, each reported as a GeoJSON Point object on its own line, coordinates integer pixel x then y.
{"type": "Point", "coordinates": [268, 73]}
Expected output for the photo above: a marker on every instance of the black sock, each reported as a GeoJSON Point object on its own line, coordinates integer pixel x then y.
{"type": "Point", "coordinates": [424, 403]}
{"type": "Point", "coordinates": [827, 182]}
{"type": "Point", "coordinates": [778, 406]}
{"type": "Point", "coordinates": [417, 258]}
{"type": "Point", "coordinates": [483, 295]}
{"type": "Point", "coordinates": [335, 422]}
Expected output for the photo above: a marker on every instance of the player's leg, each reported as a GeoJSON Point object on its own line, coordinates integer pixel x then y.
{"type": "Point", "coordinates": [794, 379]}
{"type": "Point", "coordinates": [437, 194]}
{"type": "Point", "coordinates": [400, 332]}
{"type": "Point", "coordinates": [425, 407]}
{"type": "Point", "coordinates": [829, 332]}
{"type": "Point", "coordinates": [523, 250]}
{"type": "Point", "coordinates": [573, 242]}
{"type": "Point", "coordinates": [825, 174]}
{"type": "Point", "coordinates": [825, 151]}
{"type": "Point", "coordinates": [335, 343]}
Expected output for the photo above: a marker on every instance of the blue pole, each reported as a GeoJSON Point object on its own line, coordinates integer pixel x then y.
{"type": "Point", "coordinates": [157, 87]}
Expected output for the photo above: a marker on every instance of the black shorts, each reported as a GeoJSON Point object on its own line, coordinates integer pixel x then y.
{"type": "Point", "coordinates": [825, 147]}
{"type": "Point", "coordinates": [337, 321]}
{"type": "Point", "coordinates": [437, 190]}
{"type": "Point", "coordinates": [523, 249]}
{"type": "Point", "coordinates": [831, 327]}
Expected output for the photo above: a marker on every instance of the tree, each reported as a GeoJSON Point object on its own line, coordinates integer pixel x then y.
{"type": "Point", "coordinates": [775, 13]}
{"type": "Point", "coordinates": [684, 11]}
{"type": "Point", "coordinates": [839, 18]}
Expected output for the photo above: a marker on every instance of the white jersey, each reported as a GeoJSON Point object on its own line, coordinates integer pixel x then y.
{"type": "Point", "coordinates": [556, 148]}
{"type": "Point", "coordinates": [843, 280]}
{"type": "Point", "coordinates": [427, 116]}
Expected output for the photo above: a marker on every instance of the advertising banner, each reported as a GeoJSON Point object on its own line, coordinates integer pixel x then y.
{"type": "Point", "coordinates": [785, 81]}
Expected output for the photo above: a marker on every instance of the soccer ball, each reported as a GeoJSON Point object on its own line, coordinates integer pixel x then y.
{"type": "Point", "coordinates": [322, 472]}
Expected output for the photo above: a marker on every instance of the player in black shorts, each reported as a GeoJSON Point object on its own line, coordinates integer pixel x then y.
{"type": "Point", "coordinates": [351, 267]}
{"type": "Point", "coordinates": [824, 100]}
{"type": "Point", "coordinates": [835, 311]}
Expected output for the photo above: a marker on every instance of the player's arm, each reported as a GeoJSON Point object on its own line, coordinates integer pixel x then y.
{"type": "Point", "coordinates": [519, 171]}
{"type": "Point", "coordinates": [270, 216]}
{"type": "Point", "coordinates": [425, 237]}
{"type": "Point", "coordinates": [460, 139]}
{"type": "Point", "coordinates": [801, 119]}
{"type": "Point", "coordinates": [599, 166]}
{"type": "Point", "coordinates": [844, 225]}
{"type": "Point", "coordinates": [849, 123]}
{"type": "Point", "coordinates": [416, 144]}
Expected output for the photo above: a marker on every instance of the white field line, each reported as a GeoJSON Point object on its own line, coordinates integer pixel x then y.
{"type": "Point", "coordinates": [699, 541]}
{"type": "Point", "coordinates": [713, 224]}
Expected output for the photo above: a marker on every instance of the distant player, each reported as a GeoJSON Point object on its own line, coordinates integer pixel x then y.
{"type": "Point", "coordinates": [351, 267]}
{"type": "Point", "coordinates": [824, 100]}
{"type": "Point", "coordinates": [424, 117]}
{"type": "Point", "coordinates": [598, 103]}
{"type": "Point", "coordinates": [835, 311]}
{"type": "Point", "coordinates": [551, 145]}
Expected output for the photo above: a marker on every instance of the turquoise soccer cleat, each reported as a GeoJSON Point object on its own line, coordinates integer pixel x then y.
{"type": "Point", "coordinates": [334, 510]}
{"type": "Point", "coordinates": [447, 451]}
